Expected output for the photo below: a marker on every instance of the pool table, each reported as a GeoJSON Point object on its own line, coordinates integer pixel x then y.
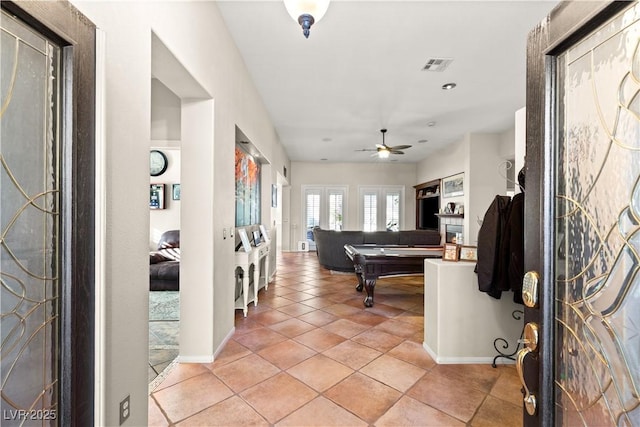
{"type": "Point", "coordinates": [373, 261]}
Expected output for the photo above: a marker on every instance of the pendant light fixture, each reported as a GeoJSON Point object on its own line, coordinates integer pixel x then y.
{"type": "Point", "coordinates": [306, 12]}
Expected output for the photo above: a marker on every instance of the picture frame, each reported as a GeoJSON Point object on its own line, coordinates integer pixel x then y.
{"type": "Point", "coordinates": [450, 252]}
{"type": "Point", "coordinates": [453, 186]}
{"type": "Point", "coordinates": [265, 234]}
{"type": "Point", "coordinates": [156, 196]}
{"type": "Point", "coordinates": [469, 253]}
{"type": "Point", "coordinates": [274, 196]}
{"type": "Point", "coordinates": [256, 237]}
{"type": "Point", "coordinates": [175, 191]}
{"type": "Point", "coordinates": [246, 244]}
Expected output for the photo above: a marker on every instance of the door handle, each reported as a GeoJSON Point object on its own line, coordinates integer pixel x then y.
{"type": "Point", "coordinates": [530, 341]}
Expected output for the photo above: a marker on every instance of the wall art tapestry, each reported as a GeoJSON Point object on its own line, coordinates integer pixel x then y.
{"type": "Point", "coordinates": [247, 189]}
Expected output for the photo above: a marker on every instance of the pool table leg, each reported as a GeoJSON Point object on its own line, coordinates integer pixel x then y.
{"type": "Point", "coordinates": [369, 285]}
{"type": "Point", "coordinates": [360, 284]}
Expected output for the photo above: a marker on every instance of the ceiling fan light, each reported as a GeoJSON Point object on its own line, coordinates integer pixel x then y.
{"type": "Point", "coordinates": [306, 12]}
{"type": "Point", "coordinates": [383, 154]}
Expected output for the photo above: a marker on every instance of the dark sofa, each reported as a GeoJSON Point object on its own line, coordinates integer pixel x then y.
{"type": "Point", "coordinates": [164, 264]}
{"type": "Point", "coordinates": [330, 244]}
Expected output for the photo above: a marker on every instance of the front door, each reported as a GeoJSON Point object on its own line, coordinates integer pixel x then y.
{"type": "Point", "coordinates": [582, 218]}
{"type": "Point", "coordinates": [46, 215]}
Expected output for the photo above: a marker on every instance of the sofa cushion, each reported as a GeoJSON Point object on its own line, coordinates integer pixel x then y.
{"type": "Point", "coordinates": [330, 247]}
{"type": "Point", "coordinates": [169, 239]}
{"type": "Point", "coordinates": [381, 237]}
{"type": "Point", "coordinates": [171, 254]}
{"type": "Point", "coordinates": [156, 257]}
{"type": "Point", "coordinates": [419, 237]}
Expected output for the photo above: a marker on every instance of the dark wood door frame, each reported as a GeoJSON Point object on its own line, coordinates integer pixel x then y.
{"type": "Point", "coordinates": [566, 24]}
{"type": "Point", "coordinates": [64, 24]}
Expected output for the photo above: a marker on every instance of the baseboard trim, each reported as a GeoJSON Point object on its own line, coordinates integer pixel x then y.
{"type": "Point", "coordinates": [195, 359]}
{"type": "Point", "coordinates": [460, 360]}
{"type": "Point", "coordinates": [224, 343]}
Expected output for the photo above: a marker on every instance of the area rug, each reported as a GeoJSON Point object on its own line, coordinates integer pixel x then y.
{"type": "Point", "coordinates": [164, 305]}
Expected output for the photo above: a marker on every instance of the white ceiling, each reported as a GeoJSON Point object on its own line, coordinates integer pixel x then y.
{"type": "Point", "coordinates": [361, 70]}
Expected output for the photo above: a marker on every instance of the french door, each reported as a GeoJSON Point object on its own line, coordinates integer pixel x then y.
{"type": "Point", "coordinates": [581, 361]}
{"type": "Point", "coordinates": [47, 215]}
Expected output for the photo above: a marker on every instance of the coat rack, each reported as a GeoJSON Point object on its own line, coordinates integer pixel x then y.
{"type": "Point", "coordinates": [504, 344]}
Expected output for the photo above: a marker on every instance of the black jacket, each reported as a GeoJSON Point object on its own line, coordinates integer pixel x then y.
{"type": "Point", "coordinates": [512, 248]}
{"type": "Point", "coordinates": [490, 257]}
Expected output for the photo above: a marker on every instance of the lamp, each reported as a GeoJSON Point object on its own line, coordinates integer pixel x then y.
{"type": "Point", "coordinates": [383, 154]}
{"type": "Point", "coordinates": [306, 12]}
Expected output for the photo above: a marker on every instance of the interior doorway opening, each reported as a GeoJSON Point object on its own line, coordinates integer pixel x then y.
{"type": "Point", "coordinates": [164, 228]}
{"type": "Point", "coordinates": [181, 117]}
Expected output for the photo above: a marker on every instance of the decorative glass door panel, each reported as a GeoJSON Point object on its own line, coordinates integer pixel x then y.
{"type": "Point", "coordinates": [597, 372]}
{"type": "Point", "coordinates": [29, 226]}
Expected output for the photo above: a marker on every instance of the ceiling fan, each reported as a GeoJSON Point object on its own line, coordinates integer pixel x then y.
{"type": "Point", "coordinates": [383, 150]}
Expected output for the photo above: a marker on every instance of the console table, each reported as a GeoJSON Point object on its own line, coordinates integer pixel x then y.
{"type": "Point", "coordinates": [258, 256]}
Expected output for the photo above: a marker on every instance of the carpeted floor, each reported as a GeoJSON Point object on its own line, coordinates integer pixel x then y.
{"type": "Point", "coordinates": [164, 326]}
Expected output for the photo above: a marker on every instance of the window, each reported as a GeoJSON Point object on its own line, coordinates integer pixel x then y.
{"type": "Point", "coordinates": [381, 208]}
{"type": "Point", "coordinates": [393, 212]}
{"type": "Point", "coordinates": [324, 207]}
{"type": "Point", "coordinates": [335, 210]}
{"type": "Point", "coordinates": [312, 212]}
{"type": "Point", "coordinates": [370, 206]}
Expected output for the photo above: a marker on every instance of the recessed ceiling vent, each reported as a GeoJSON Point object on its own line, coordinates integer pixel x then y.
{"type": "Point", "coordinates": [437, 64]}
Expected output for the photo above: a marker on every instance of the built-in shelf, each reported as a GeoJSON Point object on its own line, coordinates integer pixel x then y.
{"type": "Point", "coordinates": [450, 215]}
{"type": "Point", "coordinates": [427, 204]}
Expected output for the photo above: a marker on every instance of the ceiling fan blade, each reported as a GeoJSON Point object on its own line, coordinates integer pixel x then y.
{"type": "Point", "coordinates": [397, 152]}
{"type": "Point", "coordinates": [400, 147]}
{"type": "Point", "coordinates": [365, 149]}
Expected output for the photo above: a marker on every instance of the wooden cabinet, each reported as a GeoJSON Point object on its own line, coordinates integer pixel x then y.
{"type": "Point", "coordinates": [428, 205]}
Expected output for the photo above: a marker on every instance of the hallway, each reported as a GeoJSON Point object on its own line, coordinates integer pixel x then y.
{"type": "Point", "coordinates": [311, 354]}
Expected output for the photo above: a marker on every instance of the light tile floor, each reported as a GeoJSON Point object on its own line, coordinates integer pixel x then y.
{"type": "Point", "coordinates": [310, 354]}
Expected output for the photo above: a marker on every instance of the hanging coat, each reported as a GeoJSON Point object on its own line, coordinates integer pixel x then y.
{"type": "Point", "coordinates": [513, 246]}
{"type": "Point", "coordinates": [490, 258]}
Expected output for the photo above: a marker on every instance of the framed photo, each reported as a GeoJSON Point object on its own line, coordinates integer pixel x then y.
{"type": "Point", "coordinates": [256, 237]}
{"type": "Point", "coordinates": [450, 252]}
{"type": "Point", "coordinates": [453, 186]}
{"type": "Point", "coordinates": [469, 253]}
{"type": "Point", "coordinates": [246, 244]}
{"type": "Point", "coordinates": [274, 196]}
{"type": "Point", "coordinates": [156, 196]}
{"type": "Point", "coordinates": [265, 235]}
{"type": "Point", "coordinates": [175, 192]}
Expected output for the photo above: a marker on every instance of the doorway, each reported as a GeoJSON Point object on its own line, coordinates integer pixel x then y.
{"type": "Point", "coordinates": [164, 229]}
{"type": "Point", "coordinates": [183, 135]}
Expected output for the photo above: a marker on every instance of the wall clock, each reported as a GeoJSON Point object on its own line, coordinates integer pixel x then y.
{"type": "Point", "coordinates": [157, 163]}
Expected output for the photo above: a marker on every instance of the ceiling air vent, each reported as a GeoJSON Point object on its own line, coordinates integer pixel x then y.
{"type": "Point", "coordinates": [437, 64]}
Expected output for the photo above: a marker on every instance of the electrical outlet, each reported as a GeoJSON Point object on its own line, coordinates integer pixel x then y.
{"type": "Point", "coordinates": [125, 409]}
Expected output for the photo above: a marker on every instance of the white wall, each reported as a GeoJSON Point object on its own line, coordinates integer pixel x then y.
{"type": "Point", "coordinates": [351, 175]}
{"type": "Point", "coordinates": [165, 113]}
{"type": "Point", "coordinates": [196, 34]}
{"type": "Point", "coordinates": [484, 181]}
{"type": "Point", "coordinates": [479, 157]}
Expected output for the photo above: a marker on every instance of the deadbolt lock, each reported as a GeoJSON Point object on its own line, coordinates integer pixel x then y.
{"type": "Point", "coordinates": [530, 289]}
